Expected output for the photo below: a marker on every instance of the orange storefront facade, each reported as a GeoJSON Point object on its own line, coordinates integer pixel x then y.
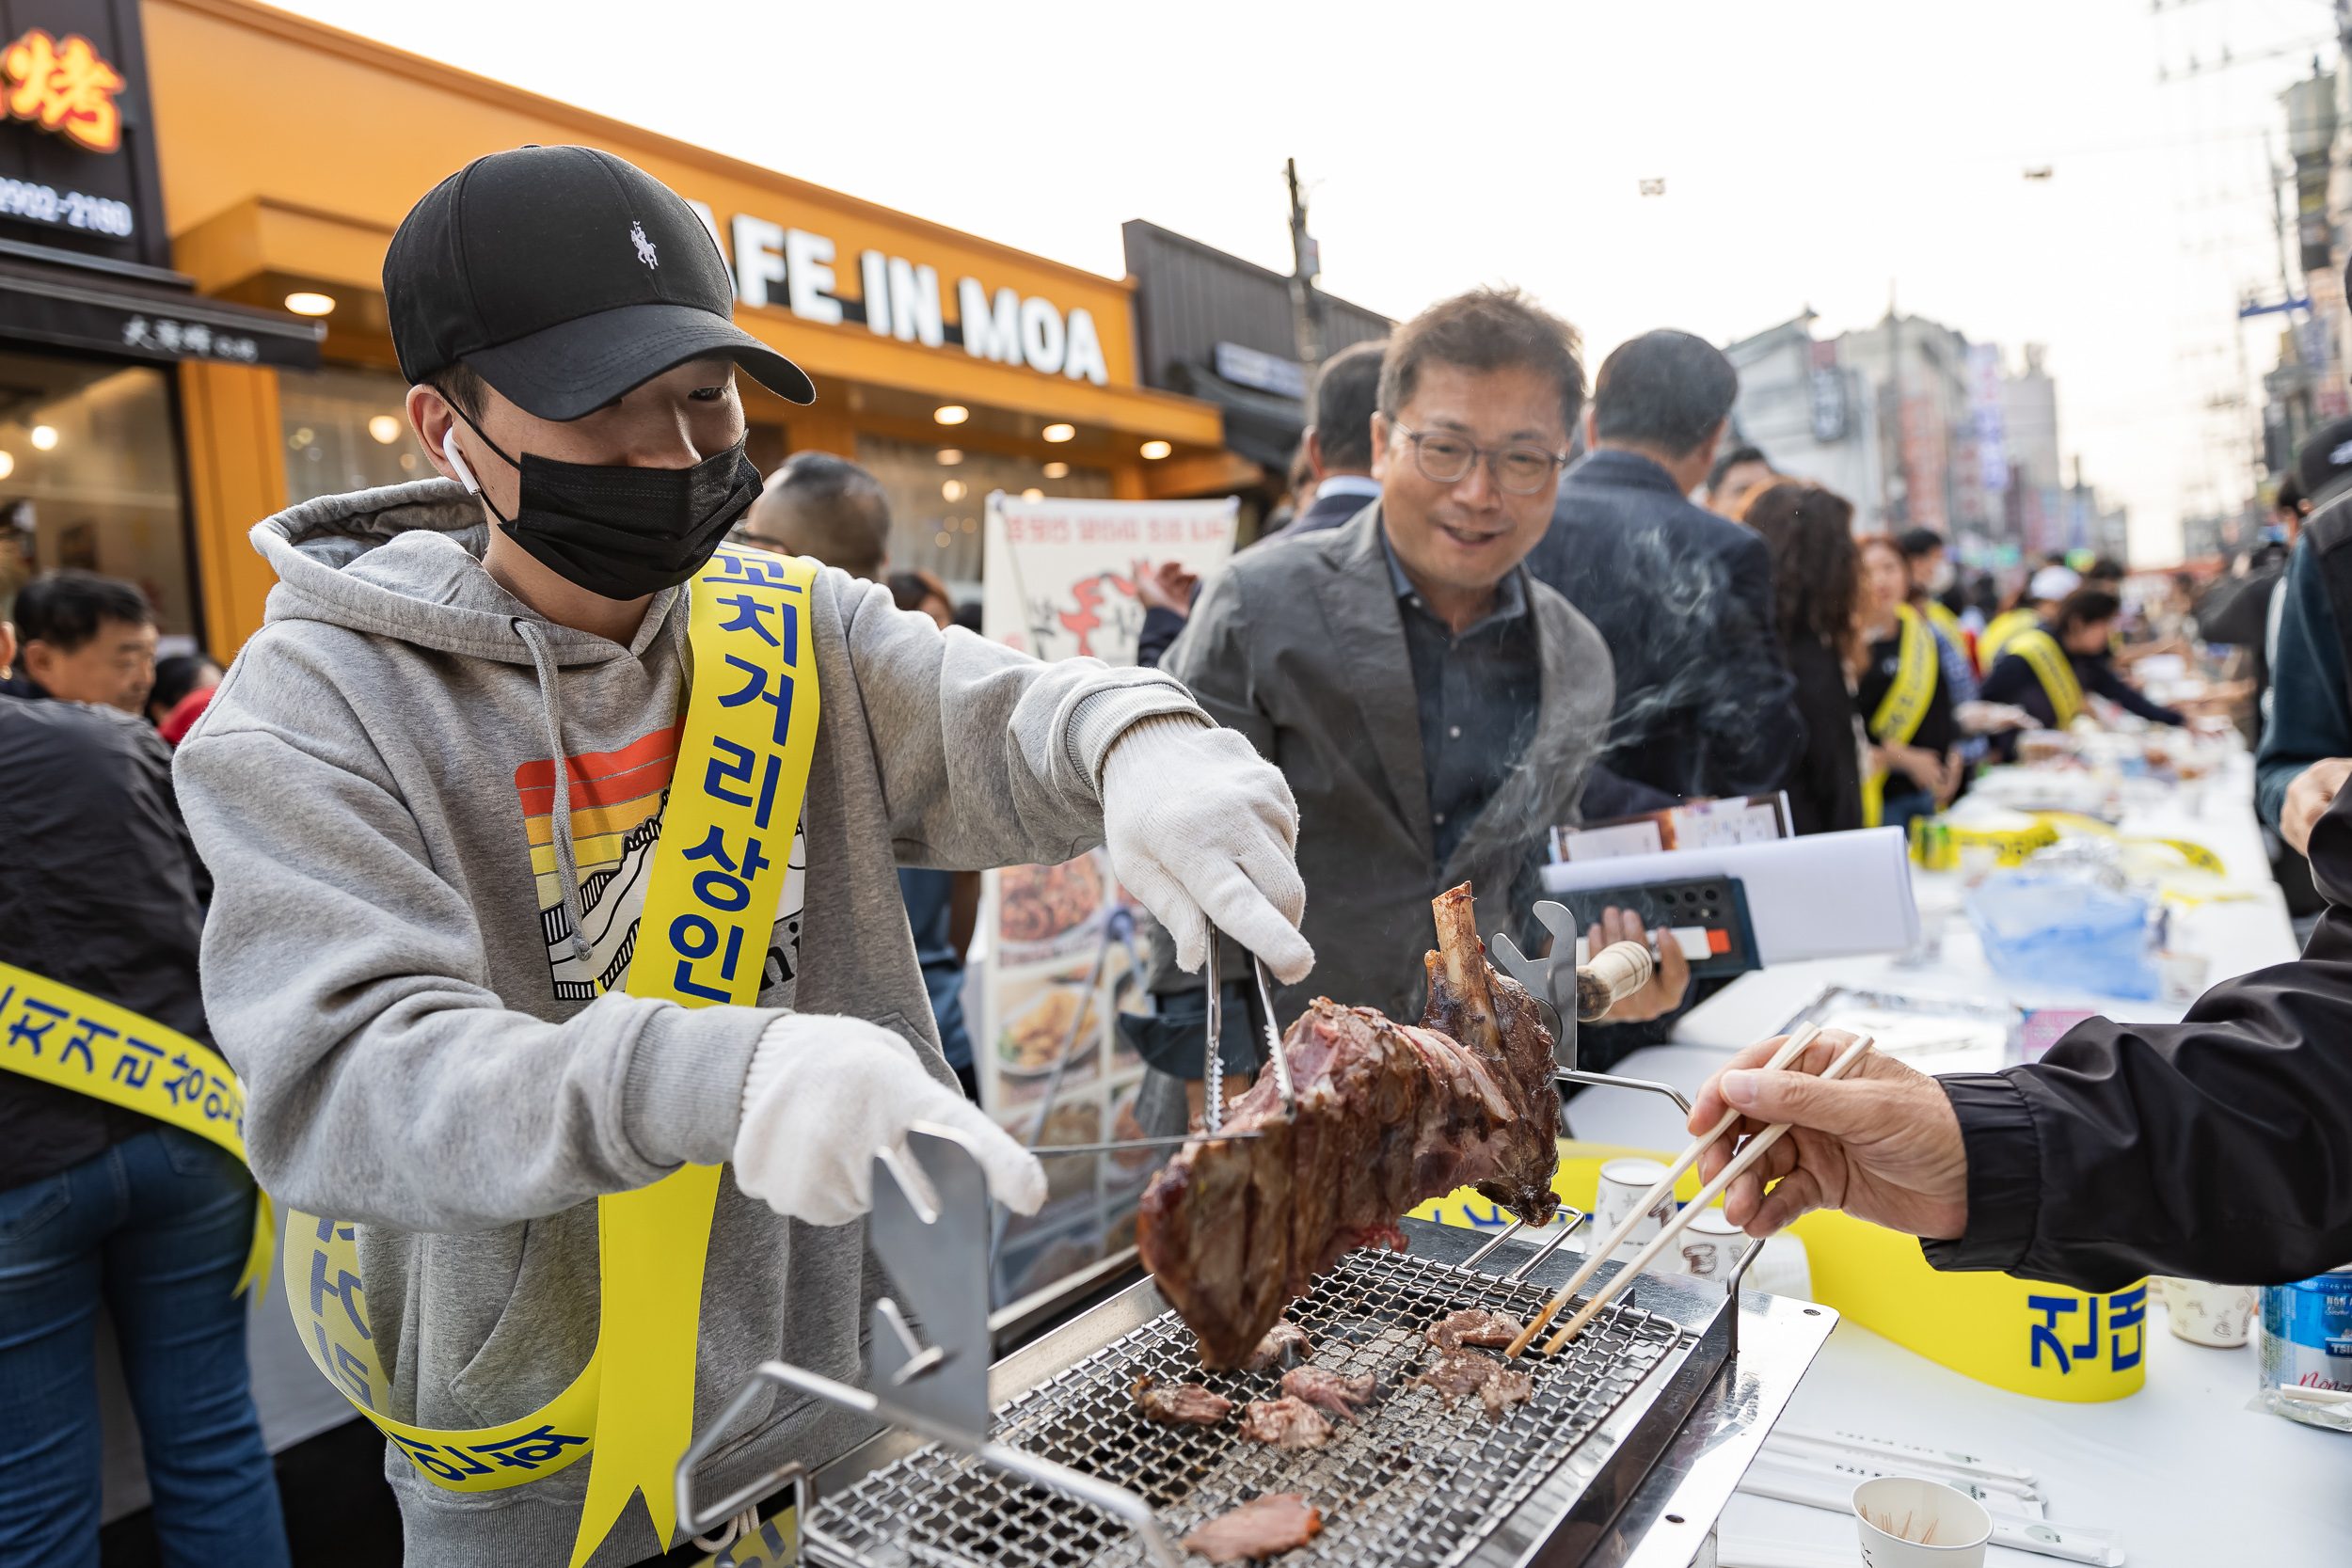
{"type": "Point", "coordinates": [950, 365]}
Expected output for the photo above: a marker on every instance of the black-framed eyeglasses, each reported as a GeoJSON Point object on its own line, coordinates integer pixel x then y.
{"type": "Point", "coordinates": [1445, 458]}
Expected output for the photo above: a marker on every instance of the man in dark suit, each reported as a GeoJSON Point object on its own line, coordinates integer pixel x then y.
{"type": "Point", "coordinates": [1433, 709]}
{"type": "Point", "coordinates": [1339, 440]}
{"type": "Point", "coordinates": [1705, 701]}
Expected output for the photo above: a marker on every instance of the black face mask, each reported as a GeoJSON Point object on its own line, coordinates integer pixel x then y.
{"type": "Point", "coordinates": [623, 532]}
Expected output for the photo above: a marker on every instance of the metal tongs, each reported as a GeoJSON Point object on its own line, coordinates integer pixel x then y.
{"type": "Point", "coordinates": [1212, 1076]}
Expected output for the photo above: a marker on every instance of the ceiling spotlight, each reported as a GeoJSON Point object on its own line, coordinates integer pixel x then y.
{"type": "Point", "coordinates": [1032, 495]}
{"type": "Point", "coordinates": [949, 457]}
{"type": "Point", "coordinates": [1155, 451]}
{"type": "Point", "coordinates": [1060, 432]}
{"type": "Point", "coordinates": [45, 437]}
{"type": "Point", "coordinates": [1057, 470]}
{"type": "Point", "coordinates": [952, 490]}
{"type": "Point", "coordinates": [8, 464]}
{"type": "Point", "coordinates": [308, 304]}
{"type": "Point", "coordinates": [384, 429]}
{"type": "Point", "coordinates": [953, 413]}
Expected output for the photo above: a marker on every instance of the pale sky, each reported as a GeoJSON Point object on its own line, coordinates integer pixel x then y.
{"type": "Point", "coordinates": [1813, 154]}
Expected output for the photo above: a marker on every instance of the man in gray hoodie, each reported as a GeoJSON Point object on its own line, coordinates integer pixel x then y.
{"type": "Point", "coordinates": [432, 786]}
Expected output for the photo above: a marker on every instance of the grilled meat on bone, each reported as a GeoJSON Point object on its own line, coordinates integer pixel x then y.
{"type": "Point", "coordinates": [1390, 1115]}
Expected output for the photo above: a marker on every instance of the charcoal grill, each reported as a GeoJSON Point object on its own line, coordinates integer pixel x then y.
{"type": "Point", "coordinates": [1068, 1471]}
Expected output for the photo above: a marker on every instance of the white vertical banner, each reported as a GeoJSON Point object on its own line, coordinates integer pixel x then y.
{"type": "Point", "coordinates": [1061, 960]}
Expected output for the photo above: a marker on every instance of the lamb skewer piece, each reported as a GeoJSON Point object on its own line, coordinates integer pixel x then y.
{"type": "Point", "coordinates": [1285, 1423]}
{"type": "Point", "coordinates": [1262, 1528]}
{"type": "Point", "coordinates": [1389, 1117]}
{"type": "Point", "coordinates": [1474, 1325]}
{"type": "Point", "coordinates": [1457, 1373]}
{"type": "Point", "coordinates": [1342, 1397]}
{"type": "Point", "coordinates": [1285, 1341]}
{"type": "Point", "coordinates": [1179, 1403]}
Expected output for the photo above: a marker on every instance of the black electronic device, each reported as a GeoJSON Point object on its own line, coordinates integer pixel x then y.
{"type": "Point", "coordinates": [1713, 910]}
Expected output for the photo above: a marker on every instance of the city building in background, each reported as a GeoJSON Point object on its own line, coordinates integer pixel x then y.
{"type": "Point", "coordinates": [1921, 428]}
{"type": "Point", "coordinates": [192, 286]}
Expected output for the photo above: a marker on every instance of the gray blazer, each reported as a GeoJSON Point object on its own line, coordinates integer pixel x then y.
{"type": "Point", "coordinates": [1299, 646]}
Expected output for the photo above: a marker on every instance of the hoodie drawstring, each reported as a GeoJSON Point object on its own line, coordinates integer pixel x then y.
{"type": "Point", "coordinates": [566, 869]}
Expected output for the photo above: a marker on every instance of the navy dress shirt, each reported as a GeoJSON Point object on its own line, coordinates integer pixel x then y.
{"type": "Point", "coordinates": [1477, 691]}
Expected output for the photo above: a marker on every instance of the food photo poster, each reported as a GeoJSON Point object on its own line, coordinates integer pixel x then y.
{"type": "Point", "coordinates": [1063, 943]}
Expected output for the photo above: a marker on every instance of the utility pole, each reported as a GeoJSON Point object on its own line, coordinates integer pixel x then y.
{"type": "Point", "coordinates": [1306, 265]}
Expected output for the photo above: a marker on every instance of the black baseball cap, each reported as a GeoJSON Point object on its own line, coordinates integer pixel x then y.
{"type": "Point", "coordinates": [564, 276]}
{"type": "Point", "coordinates": [2325, 464]}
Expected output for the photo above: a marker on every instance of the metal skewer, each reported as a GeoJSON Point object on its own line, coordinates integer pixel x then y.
{"type": "Point", "coordinates": [1118, 1145]}
{"type": "Point", "coordinates": [1754, 1151]}
{"type": "Point", "coordinates": [1213, 1069]}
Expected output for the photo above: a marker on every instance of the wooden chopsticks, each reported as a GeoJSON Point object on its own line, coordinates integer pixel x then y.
{"type": "Point", "coordinates": [1597, 1253]}
{"type": "Point", "coordinates": [1754, 1151]}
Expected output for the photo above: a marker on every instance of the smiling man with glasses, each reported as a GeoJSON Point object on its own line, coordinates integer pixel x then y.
{"type": "Point", "coordinates": [1435, 709]}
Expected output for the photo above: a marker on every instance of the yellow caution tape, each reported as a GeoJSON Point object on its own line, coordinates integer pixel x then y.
{"type": "Point", "coordinates": [710, 904]}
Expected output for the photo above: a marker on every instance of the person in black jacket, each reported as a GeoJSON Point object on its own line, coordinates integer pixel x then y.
{"type": "Point", "coordinates": [1705, 703]}
{"type": "Point", "coordinates": [2219, 1147]}
{"type": "Point", "coordinates": [101, 890]}
{"type": "Point", "coordinates": [1337, 442]}
{"type": "Point", "coordinates": [1810, 531]}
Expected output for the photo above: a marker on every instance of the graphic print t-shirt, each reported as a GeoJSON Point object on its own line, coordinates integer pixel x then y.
{"type": "Point", "coordinates": [616, 801]}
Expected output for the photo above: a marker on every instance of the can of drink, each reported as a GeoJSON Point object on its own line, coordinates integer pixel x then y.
{"type": "Point", "coordinates": [2307, 1342]}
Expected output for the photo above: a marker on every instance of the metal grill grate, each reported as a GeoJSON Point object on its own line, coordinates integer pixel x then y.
{"type": "Point", "coordinates": [1410, 1481]}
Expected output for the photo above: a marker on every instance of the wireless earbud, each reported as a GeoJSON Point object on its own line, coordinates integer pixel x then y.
{"type": "Point", "coordinates": [464, 475]}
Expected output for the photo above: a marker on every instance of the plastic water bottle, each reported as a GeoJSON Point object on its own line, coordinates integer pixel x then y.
{"type": "Point", "coordinates": [2306, 1342]}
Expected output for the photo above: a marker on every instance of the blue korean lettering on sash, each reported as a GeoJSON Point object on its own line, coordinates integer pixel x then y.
{"type": "Point", "coordinates": [23, 1031]}
{"type": "Point", "coordinates": [91, 1029]}
{"type": "Point", "coordinates": [132, 1070]}
{"type": "Point", "coordinates": [2126, 1310]}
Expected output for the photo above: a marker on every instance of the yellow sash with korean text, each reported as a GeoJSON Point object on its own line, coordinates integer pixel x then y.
{"type": "Point", "coordinates": [77, 1042]}
{"type": "Point", "coordinates": [1905, 704]}
{"type": "Point", "coordinates": [2054, 670]}
{"type": "Point", "coordinates": [710, 904]}
{"type": "Point", "coordinates": [2005, 628]}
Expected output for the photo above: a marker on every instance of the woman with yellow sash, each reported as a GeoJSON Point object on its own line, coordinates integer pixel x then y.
{"type": "Point", "coordinates": [1900, 689]}
{"type": "Point", "coordinates": [2048, 586]}
{"type": "Point", "coordinates": [2048, 671]}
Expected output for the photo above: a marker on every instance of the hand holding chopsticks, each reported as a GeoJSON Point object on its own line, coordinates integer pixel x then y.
{"type": "Point", "coordinates": [1599, 1252]}
{"type": "Point", "coordinates": [1754, 1150]}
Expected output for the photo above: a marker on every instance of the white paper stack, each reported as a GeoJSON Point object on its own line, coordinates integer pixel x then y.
{"type": "Point", "coordinates": [1825, 895]}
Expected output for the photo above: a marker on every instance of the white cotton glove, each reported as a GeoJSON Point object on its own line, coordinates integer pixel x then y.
{"type": "Point", "coordinates": [824, 1092]}
{"type": "Point", "coordinates": [1203, 830]}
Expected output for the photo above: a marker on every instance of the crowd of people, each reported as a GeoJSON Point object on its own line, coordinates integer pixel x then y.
{"type": "Point", "coordinates": [399, 874]}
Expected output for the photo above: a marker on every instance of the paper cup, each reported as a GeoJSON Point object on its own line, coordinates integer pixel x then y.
{"type": "Point", "coordinates": [1623, 1182]}
{"type": "Point", "coordinates": [1710, 1247]}
{"type": "Point", "coordinates": [2208, 1314]}
{"type": "Point", "coordinates": [1919, 1523]}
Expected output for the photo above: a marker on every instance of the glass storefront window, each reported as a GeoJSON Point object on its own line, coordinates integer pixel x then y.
{"type": "Point", "coordinates": [345, 430]}
{"type": "Point", "coordinates": [90, 477]}
{"type": "Point", "coordinates": [936, 504]}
